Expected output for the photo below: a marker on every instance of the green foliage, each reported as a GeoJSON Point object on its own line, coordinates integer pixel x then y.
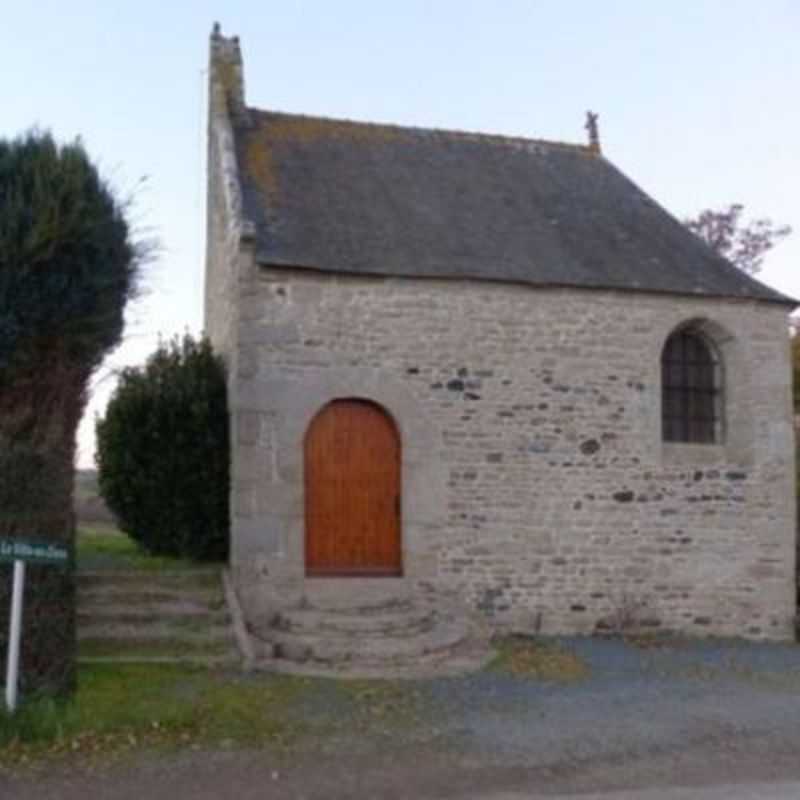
{"type": "Point", "coordinates": [38, 719]}
{"type": "Point", "coordinates": [162, 452]}
{"type": "Point", "coordinates": [67, 263]}
{"type": "Point", "coordinates": [67, 268]}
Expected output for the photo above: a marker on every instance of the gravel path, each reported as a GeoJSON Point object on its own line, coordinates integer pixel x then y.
{"type": "Point", "coordinates": [635, 701]}
{"type": "Point", "coordinates": [689, 713]}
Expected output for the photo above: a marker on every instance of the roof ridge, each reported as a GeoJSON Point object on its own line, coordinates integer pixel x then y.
{"type": "Point", "coordinates": [420, 129]}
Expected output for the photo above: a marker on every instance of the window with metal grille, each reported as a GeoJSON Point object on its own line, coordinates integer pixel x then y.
{"type": "Point", "coordinates": [690, 391]}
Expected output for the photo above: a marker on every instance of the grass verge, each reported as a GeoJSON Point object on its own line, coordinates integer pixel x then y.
{"type": "Point", "coordinates": [119, 708]}
{"type": "Point", "coordinates": [103, 547]}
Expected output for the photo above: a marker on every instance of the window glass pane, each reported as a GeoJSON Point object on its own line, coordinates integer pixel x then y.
{"type": "Point", "coordinates": [707, 410]}
{"type": "Point", "coordinates": [701, 405]}
{"type": "Point", "coordinates": [689, 389]}
{"type": "Point", "coordinates": [703, 354]}
{"type": "Point", "coordinates": [675, 372]}
{"type": "Point", "coordinates": [705, 376]}
{"type": "Point", "coordinates": [689, 347]}
{"type": "Point", "coordinates": [672, 402]}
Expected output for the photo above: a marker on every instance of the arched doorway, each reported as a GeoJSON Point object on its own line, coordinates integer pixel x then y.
{"type": "Point", "coordinates": [352, 491]}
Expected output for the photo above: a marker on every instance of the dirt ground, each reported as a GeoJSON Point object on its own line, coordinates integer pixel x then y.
{"type": "Point", "coordinates": [414, 773]}
{"type": "Point", "coordinates": [686, 714]}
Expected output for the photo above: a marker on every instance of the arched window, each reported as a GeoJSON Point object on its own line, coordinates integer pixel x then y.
{"type": "Point", "coordinates": [690, 389]}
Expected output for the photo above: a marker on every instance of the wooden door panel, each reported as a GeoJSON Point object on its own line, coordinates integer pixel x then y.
{"type": "Point", "coordinates": [352, 484]}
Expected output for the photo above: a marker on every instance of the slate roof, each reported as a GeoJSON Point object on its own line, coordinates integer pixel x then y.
{"type": "Point", "coordinates": [361, 198]}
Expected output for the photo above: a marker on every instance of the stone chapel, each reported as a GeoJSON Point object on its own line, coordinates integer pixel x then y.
{"type": "Point", "coordinates": [488, 372]}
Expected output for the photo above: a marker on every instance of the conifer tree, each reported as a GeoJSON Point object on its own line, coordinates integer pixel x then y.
{"type": "Point", "coordinates": [67, 268]}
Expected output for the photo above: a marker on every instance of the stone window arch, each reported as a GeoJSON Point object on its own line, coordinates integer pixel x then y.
{"type": "Point", "coordinates": [692, 400]}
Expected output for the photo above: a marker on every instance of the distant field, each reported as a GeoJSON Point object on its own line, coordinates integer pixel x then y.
{"type": "Point", "coordinates": [89, 506]}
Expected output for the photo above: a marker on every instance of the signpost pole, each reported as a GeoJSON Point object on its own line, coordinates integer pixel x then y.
{"type": "Point", "coordinates": [19, 551]}
{"type": "Point", "coordinates": [14, 633]}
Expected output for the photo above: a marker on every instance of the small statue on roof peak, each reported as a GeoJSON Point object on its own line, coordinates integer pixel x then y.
{"type": "Point", "coordinates": [594, 131]}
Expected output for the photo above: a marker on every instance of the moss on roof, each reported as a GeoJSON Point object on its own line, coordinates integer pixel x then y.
{"type": "Point", "coordinates": [364, 198]}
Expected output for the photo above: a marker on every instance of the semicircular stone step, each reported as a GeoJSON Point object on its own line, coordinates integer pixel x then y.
{"type": "Point", "coordinates": [365, 649]}
{"type": "Point", "coordinates": [404, 621]}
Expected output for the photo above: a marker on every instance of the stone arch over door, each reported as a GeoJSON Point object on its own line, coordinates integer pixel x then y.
{"type": "Point", "coordinates": [352, 475]}
{"type": "Point", "coordinates": [271, 542]}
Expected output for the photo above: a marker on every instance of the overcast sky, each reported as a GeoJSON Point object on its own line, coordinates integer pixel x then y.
{"type": "Point", "coordinates": [698, 101]}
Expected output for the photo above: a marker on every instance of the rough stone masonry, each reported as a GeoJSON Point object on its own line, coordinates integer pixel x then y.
{"type": "Point", "coordinates": [536, 485]}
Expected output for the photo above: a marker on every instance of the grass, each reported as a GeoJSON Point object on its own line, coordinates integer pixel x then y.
{"type": "Point", "coordinates": [380, 705]}
{"type": "Point", "coordinates": [103, 547]}
{"type": "Point", "coordinates": [532, 658]}
{"type": "Point", "coordinates": [179, 648]}
{"type": "Point", "coordinates": [119, 708]}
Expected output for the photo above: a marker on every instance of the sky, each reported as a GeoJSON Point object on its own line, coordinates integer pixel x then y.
{"type": "Point", "coordinates": [698, 103]}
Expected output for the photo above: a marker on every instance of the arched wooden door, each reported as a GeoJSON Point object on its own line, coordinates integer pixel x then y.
{"type": "Point", "coordinates": [352, 491]}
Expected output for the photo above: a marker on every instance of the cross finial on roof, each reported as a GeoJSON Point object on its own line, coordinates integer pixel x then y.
{"type": "Point", "coordinates": [594, 132]}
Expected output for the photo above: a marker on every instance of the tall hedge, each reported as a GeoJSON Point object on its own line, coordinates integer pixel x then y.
{"type": "Point", "coordinates": [162, 452]}
{"type": "Point", "coordinates": [67, 268]}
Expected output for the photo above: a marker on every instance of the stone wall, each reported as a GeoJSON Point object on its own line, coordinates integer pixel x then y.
{"type": "Point", "coordinates": [229, 237]}
{"type": "Point", "coordinates": [535, 482]}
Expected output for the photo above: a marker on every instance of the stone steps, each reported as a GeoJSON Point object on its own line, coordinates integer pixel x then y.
{"type": "Point", "coordinates": [170, 582]}
{"type": "Point", "coordinates": [143, 608]}
{"type": "Point", "coordinates": [169, 630]}
{"type": "Point", "coordinates": [452, 663]}
{"type": "Point", "coordinates": [188, 659]}
{"type": "Point", "coordinates": [158, 617]}
{"type": "Point", "coordinates": [143, 649]}
{"type": "Point", "coordinates": [395, 638]}
{"type": "Point", "coordinates": [333, 647]}
{"type": "Point", "coordinates": [99, 597]}
{"type": "Point", "coordinates": [394, 622]}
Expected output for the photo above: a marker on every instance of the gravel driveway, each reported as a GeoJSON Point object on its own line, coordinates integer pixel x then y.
{"type": "Point", "coordinates": [682, 713]}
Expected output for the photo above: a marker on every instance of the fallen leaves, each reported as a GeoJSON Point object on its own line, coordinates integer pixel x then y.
{"type": "Point", "coordinates": [526, 657]}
